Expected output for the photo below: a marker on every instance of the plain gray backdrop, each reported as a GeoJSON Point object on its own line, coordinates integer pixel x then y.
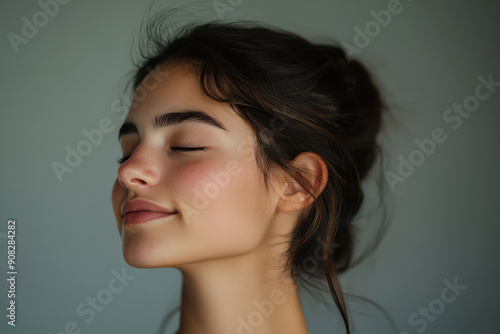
{"type": "Point", "coordinates": [67, 75]}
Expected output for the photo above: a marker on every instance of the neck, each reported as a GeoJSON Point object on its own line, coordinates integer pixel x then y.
{"type": "Point", "coordinates": [243, 294]}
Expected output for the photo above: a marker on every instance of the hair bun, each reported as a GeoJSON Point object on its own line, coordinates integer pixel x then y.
{"type": "Point", "coordinates": [367, 106]}
{"type": "Point", "coordinates": [360, 104]}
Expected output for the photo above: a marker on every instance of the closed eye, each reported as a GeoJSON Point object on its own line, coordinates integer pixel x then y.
{"type": "Point", "coordinates": [122, 160]}
{"type": "Point", "coordinates": [178, 148]}
{"type": "Point", "coordinates": [175, 148]}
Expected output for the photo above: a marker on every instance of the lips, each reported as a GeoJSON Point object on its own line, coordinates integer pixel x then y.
{"type": "Point", "coordinates": [140, 211]}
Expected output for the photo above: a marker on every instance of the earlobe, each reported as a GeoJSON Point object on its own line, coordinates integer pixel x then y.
{"type": "Point", "coordinates": [313, 173]}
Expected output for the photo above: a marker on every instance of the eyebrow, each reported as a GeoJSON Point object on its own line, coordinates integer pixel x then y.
{"type": "Point", "coordinates": [172, 118]}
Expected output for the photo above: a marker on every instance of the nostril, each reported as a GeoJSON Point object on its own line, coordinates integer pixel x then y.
{"type": "Point", "coordinates": [135, 180]}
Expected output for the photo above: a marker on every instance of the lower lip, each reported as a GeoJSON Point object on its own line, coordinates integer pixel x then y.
{"type": "Point", "coordinates": [140, 217]}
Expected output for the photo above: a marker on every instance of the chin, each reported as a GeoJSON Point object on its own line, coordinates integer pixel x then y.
{"type": "Point", "coordinates": [142, 252]}
{"type": "Point", "coordinates": [138, 252]}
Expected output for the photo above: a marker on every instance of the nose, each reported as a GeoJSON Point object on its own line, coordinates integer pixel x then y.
{"type": "Point", "coordinates": [140, 170]}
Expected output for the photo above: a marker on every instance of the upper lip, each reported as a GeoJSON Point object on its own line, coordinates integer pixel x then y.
{"type": "Point", "coordinates": [141, 205]}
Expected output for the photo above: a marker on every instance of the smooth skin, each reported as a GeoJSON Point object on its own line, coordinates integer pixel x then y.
{"type": "Point", "coordinates": [230, 247]}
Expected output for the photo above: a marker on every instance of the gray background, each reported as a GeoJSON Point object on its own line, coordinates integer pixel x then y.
{"type": "Point", "coordinates": [444, 222]}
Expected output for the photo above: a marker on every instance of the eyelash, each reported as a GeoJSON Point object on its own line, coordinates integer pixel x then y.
{"type": "Point", "coordinates": [175, 148]}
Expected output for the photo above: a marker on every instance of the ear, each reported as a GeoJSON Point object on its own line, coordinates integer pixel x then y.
{"type": "Point", "coordinates": [314, 173]}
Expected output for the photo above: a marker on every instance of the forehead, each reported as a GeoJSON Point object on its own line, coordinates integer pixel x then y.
{"type": "Point", "coordinates": [173, 87]}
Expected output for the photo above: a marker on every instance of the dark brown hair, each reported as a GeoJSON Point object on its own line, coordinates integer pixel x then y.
{"type": "Point", "coordinates": [298, 96]}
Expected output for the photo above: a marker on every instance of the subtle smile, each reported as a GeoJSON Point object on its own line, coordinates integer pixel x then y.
{"type": "Point", "coordinates": [139, 217]}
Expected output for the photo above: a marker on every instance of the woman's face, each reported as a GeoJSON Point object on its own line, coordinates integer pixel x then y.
{"type": "Point", "coordinates": [221, 204]}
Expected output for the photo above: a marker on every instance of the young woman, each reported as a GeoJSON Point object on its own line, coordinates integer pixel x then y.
{"type": "Point", "coordinates": [244, 151]}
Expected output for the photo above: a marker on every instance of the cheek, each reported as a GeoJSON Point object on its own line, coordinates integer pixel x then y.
{"type": "Point", "coordinates": [199, 185]}
{"type": "Point", "coordinates": [223, 204]}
